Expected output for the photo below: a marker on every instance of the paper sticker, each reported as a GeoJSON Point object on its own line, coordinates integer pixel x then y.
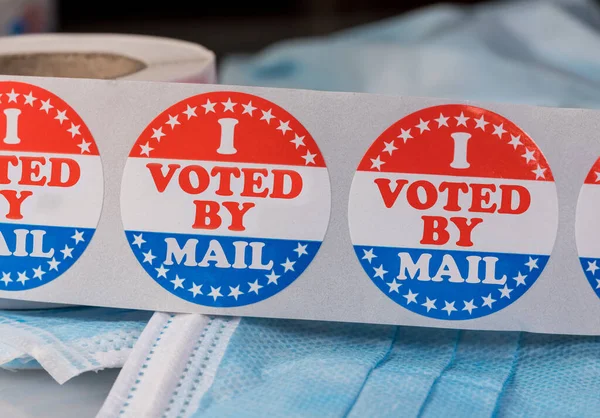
{"type": "Point", "coordinates": [453, 212]}
{"type": "Point", "coordinates": [225, 199]}
{"type": "Point", "coordinates": [587, 227]}
{"type": "Point", "coordinates": [51, 186]}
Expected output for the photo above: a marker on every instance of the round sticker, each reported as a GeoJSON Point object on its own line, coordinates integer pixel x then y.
{"type": "Point", "coordinates": [51, 186]}
{"type": "Point", "coordinates": [225, 199]}
{"type": "Point", "coordinates": [587, 227]}
{"type": "Point", "coordinates": [453, 212]}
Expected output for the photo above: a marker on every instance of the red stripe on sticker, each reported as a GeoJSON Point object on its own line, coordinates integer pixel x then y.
{"type": "Point", "coordinates": [457, 140]}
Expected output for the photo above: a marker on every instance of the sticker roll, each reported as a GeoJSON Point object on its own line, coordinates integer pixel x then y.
{"type": "Point", "coordinates": [92, 56]}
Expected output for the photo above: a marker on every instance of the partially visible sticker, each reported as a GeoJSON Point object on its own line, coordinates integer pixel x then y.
{"type": "Point", "coordinates": [51, 186]}
{"type": "Point", "coordinates": [453, 212]}
{"type": "Point", "coordinates": [225, 199]}
{"type": "Point", "coordinates": [587, 227]}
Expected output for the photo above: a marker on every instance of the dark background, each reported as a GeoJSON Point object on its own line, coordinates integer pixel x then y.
{"type": "Point", "coordinates": [227, 26]}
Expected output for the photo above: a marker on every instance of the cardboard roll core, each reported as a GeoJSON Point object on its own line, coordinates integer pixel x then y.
{"type": "Point", "coordinates": [95, 65]}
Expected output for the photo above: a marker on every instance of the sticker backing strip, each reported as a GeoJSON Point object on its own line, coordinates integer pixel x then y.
{"type": "Point", "coordinates": [247, 201]}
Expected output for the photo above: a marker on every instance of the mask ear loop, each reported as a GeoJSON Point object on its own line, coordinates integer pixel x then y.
{"type": "Point", "coordinates": [175, 355]}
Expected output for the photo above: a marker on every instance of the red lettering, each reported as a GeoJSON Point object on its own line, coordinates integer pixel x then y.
{"type": "Point", "coordinates": [295, 180]}
{"type": "Point", "coordinates": [225, 174]}
{"type": "Point", "coordinates": [507, 199]}
{"type": "Point", "coordinates": [465, 229]}
{"type": "Point", "coordinates": [15, 201]}
{"type": "Point", "coordinates": [5, 160]}
{"type": "Point", "coordinates": [253, 184]}
{"type": "Point", "coordinates": [434, 230]}
{"type": "Point", "coordinates": [207, 215]}
{"type": "Point", "coordinates": [29, 171]}
{"type": "Point", "coordinates": [237, 214]}
{"type": "Point", "coordinates": [185, 179]}
{"type": "Point", "coordinates": [56, 170]}
{"type": "Point", "coordinates": [412, 195]}
{"type": "Point", "coordinates": [388, 195]}
{"type": "Point", "coordinates": [452, 199]}
{"type": "Point", "coordinates": [161, 181]}
{"type": "Point", "coordinates": [481, 195]}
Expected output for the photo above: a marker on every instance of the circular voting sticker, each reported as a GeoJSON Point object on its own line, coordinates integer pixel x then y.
{"type": "Point", "coordinates": [587, 227]}
{"type": "Point", "coordinates": [51, 186]}
{"type": "Point", "coordinates": [225, 199]}
{"type": "Point", "coordinates": [453, 212]}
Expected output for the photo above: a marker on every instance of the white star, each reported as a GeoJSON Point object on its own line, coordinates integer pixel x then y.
{"type": "Point", "coordinates": [161, 271]}
{"type": "Point", "coordinates": [528, 155]}
{"type": "Point", "coordinates": [254, 287]}
{"type": "Point", "coordinates": [598, 281]}
{"type": "Point", "coordinates": [272, 277]}
{"type": "Point", "coordinates": [6, 278]}
{"type": "Point", "coordinates": [46, 106]}
{"type": "Point", "coordinates": [61, 116]}
{"type": "Point", "coordinates": [138, 240]}
{"type": "Point", "coordinates": [228, 107]}
{"type": "Point", "coordinates": [309, 158]}
{"type": "Point", "coordinates": [22, 278]}
{"type": "Point", "coordinates": [288, 265]}
{"type": "Point", "coordinates": [84, 146]}
{"type": "Point", "coordinates": [267, 115]}
{"type": "Point", "coordinates": [78, 237]}
{"type": "Point", "coordinates": [505, 291]}
{"type": "Point", "coordinates": [394, 285]}
{"type": "Point", "coordinates": [177, 282]}
{"type": "Point", "coordinates": [215, 293]}
{"type": "Point", "coordinates": [469, 306]}
{"type": "Point", "coordinates": [520, 279]}
{"type": "Point", "coordinates": [29, 99]}
{"type": "Point", "coordinates": [298, 140]}
{"type": "Point", "coordinates": [411, 297]}
{"type": "Point", "coordinates": [423, 125]}
{"type": "Point", "coordinates": [480, 123]}
{"type": "Point", "coordinates": [53, 264]}
{"type": "Point", "coordinates": [146, 149]}
{"type": "Point", "coordinates": [515, 141]}
{"type": "Point", "coordinates": [461, 120]}
{"type": "Point", "coordinates": [539, 172]}
{"type": "Point", "coordinates": [195, 289]}
{"type": "Point", "coordinates": [369, 256]}
{"type": "Point", "coordinates": [12, 96]}
{"type": "Point", "coordinates": [284, 127]}
{"type": "Point", "coordinates": [499, 130]}
{"type": "Point", "coordinates": [190, 111]}
{"type": "Point", "coordinates": [429, 304]}
{"type": "Point", "coordinates": [235, 291]}
{"type": "Point", "coordinates": [379, 271]}
{"type": "Point", "coordinates": [208, 107]}
{"type": "Point", "coordinates": [488, 300]}
{"type": "Point", "coordinates": [405, 135]}
{"type": "Point", "coordinates": [532, 263]}
{"type": "Point", "coordinates": [38, 273]}
{"type": "Point", "coordinates": [248, 108]}
{"type": "Point", "coordinates": [377, 163]}
{"type": "Point", "coordinates": [597, 176]}
{"type": "Point", "coordinates": [389, 147]}
{"type": "Point", "coordinates": [442, 121]}
{"type": "Point", "coordinates": [449, 307]}
{"type": "Point", "coordinates": [67, 252]}
{"type": "Point", "coordinates": [173, 121]}
{"type": "Point", "coordinates": [74, 130]}
{"type": "Point", "coordinates": [148, 257]}
{"type": "Point", "coordinates": [157, 134]}
{"type": "Point", "coordinates": [592, 267]}
{"type": "Point", "coordinates": [301, 249]}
